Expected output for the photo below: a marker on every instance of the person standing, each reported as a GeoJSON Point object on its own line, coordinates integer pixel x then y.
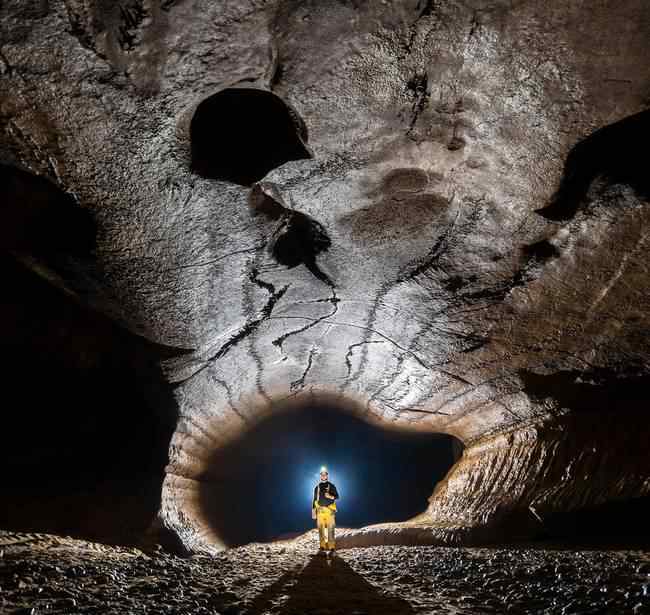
{"type": "Point", "coordinates": [324, 511]}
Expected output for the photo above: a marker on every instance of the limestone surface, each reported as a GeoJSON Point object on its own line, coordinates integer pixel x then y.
{"type": "Point", "coordinates": [442, 224]}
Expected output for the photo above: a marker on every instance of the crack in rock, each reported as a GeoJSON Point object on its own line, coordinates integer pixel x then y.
{"type": "Point", "coordinates": [214, 260]}
{"type": "Point", "coordinates": [418, 88]}
{"type": "Point", "coordinates": [413, 271]}
{"type": "Point", "coordinates": [334, 300]}
{"type": "Point", "coordinates": [250, 327]}
{"type": "Point", "coordinates": [300, 382]}
{"type": "Point", "coordinates": [350, 351]}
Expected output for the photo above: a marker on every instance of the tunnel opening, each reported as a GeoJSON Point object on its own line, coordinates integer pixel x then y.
{"type": "Point", "coordinates": [259, 487]}
{"type": "Point", "coordinates": [90, 418]}
{"type": "Point", "coordinates": [240, 134]}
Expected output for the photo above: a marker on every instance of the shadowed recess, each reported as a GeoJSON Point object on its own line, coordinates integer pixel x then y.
{"type": "Point", "coordinates": [598, 390]}
{"type": "Point", "coordinates": [298, 238]}
{"type": "Point", "coordinates": [90, 418]}
{"type": "Point", "coordinates": [40, 219]}
{"type": "Point", "coordinates": [241, 134]}
{"type": "Point", "coordinates": [616, 153]}
{"type": "Point", "coordinates": [259, 488]}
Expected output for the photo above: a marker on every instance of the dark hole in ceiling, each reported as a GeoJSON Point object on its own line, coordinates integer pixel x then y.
{"type": "Point", "coordinates": [541, 250]}
{"type": "Point", "coordinates": [299, 240]}
{"type": "Point", "coordinates": [617, 153]}
{"type": "Point", "coordinates": [241, 134]}
{"type": "Point", "coordinates": [259, 488]}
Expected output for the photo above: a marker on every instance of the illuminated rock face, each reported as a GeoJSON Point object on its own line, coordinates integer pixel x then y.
{"type": "Point", "coordinates": [454, 239]}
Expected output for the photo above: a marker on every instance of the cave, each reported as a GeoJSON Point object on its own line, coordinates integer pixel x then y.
{"type": "Point", "coordinates": [227, 226]}
{"type": "Point", "coordinates": [259, 487]}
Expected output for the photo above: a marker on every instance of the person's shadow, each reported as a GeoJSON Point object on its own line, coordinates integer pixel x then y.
{"type": "Point", "coordinates": [326, 586]}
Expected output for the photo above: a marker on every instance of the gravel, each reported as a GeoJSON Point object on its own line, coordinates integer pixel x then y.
{"type": "Point", "coordinates": [47, 574]}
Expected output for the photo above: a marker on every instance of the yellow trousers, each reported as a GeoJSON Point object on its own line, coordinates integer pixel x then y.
{"type": "Point", "coordinates": [326, 521]}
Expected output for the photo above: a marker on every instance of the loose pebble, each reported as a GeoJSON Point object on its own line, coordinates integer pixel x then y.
{"type": "Point", "coordinates": [60, 575]}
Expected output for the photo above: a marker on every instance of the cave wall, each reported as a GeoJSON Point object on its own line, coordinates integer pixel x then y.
{"type": "Point", "coordinates": [468, 218]}
{"type": "Point", "coordinates": [534, 473]}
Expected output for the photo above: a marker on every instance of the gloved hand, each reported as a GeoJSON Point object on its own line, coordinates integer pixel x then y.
{"type": "Point", "coordinates": [313, 513]}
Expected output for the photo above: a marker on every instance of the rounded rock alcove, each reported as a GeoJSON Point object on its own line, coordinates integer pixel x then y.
{"type": "Point", "coordinates": [257, 485]}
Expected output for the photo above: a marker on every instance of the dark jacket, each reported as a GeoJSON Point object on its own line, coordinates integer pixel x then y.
{"type": "Point", "coordinates": [319, 494]}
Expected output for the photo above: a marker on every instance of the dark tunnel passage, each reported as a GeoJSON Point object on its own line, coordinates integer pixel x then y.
{"type": "Point", "coordinates": [259, 488]}
{"type": "Point", "coordinates": [86, 417]}
{"type": "Point", "coordinates": [241, 134]}
{"type": "Point", "coordinates": [40, 223]}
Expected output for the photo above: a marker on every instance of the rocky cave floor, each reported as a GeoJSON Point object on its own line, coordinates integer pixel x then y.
{"type": "Point", "coordinates": [48, 574]}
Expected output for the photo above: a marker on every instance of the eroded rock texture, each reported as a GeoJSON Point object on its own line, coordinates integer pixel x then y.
{"type": "Point", "coordinates": [443, 225]}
